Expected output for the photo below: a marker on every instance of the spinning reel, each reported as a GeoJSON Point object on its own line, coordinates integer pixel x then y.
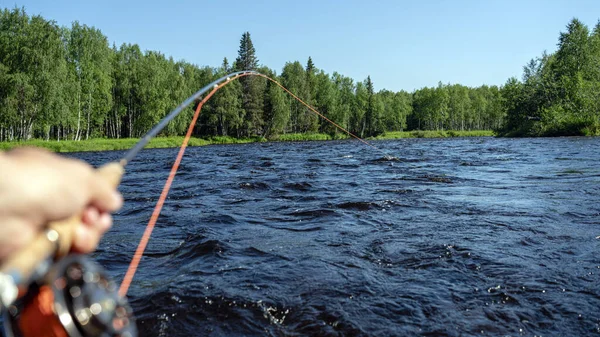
{"type": "Point", "coordinates": [63, 294]}
{"type": "Point", "coordinates": [74, 299]}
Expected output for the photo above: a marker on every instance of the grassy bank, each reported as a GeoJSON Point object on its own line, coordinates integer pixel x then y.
{"type": "Point", "coordinates": [167, 142]}
{"type": "Point", "coordinates": [302, 137]}
{"type": "Point", "coordinates": [389, 135]}
{"type": "Point", "coordinates": [436, 134]}
{"type": "Point", "coordinates": [122, 144]}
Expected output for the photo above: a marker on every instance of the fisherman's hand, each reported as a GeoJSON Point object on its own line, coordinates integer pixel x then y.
{"type": "Point", "coordinates": [37, 187]}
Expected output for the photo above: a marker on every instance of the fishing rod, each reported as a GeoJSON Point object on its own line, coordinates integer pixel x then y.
{"type": "Point", "coordinates": [48, 291]}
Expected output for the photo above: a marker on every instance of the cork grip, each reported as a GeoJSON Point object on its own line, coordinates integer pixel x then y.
{"type": "Point", "coordinates": [55, 242]}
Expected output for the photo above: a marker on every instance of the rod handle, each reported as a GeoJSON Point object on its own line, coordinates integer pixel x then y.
{"type": "Point", "coordinates": [56, 242]}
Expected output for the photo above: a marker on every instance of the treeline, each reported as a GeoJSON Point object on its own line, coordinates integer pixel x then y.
{"type": "Point", "coordinates": [456, 107]}
{"type": "Point", "coordinates": [560, 92]}
{"type": "Point", "coordinates": [69, 83]}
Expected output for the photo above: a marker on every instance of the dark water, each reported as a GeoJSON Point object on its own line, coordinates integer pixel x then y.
{"type": "Point", "coordinates": [460, 237]}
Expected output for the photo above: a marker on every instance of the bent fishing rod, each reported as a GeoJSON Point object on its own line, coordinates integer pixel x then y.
{"type": "Point", "coordinates": [46, 290]}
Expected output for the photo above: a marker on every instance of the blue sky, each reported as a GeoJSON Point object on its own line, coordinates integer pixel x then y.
{"type": "Point", "coordinates": [403, 45]}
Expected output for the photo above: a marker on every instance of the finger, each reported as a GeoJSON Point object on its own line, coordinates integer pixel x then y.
{"type": "Point", "coordinates": [88, 235]}
{"type": "Point", "coordinates": [103, 195]}
{"type": "Point", "coordinates": [90, 216]}
{"type": "Point", "coordinates": [86, 239]}
{"type": "Point", "coordinates": [104, 223]}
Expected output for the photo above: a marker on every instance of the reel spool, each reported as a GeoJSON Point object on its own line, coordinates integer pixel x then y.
{"type": "Point", "coordinates": [75, 299]}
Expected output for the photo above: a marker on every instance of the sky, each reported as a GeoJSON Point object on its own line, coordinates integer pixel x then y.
{"type": "Point", "coordinates": [402, 45]}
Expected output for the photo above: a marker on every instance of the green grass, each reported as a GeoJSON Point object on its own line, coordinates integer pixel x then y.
{"type": "Point", "coordinates": [231, 140]}
{"type": "Point", "coordinates": [102, 144]}
{"type": "Point", "coordinates": [168, 142]}
{"type": "Point", "coordinates": [301, 137]}
{"type": "Point", "coordinates": [436, 134]}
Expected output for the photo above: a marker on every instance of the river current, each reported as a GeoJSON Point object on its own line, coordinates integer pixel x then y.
{"type": "Point", "coordinates": [458, 237]}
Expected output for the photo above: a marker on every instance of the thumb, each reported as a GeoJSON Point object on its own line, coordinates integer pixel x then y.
{"type": "Point", "coordinates": [103, 195]}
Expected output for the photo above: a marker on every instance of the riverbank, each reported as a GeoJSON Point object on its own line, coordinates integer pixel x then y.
{"type": "Point", "coordinates": [436, 134]}
{"type": "Point", "coordinates": [169, 142]}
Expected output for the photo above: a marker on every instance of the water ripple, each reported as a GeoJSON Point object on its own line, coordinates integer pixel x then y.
{"type": "Point", "coordinates": [456, 237]}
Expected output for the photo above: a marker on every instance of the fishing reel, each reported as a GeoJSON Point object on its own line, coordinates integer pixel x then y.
{"type": "Point", "coordinates": [63, 294]}
{"type": "Point", "coordinates": [75, 298]}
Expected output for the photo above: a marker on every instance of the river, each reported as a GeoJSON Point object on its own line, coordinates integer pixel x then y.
{"type": "Point", "coordinates": [459, 237]}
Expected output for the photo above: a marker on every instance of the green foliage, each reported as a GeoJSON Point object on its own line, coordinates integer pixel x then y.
{"type": "Point", "coordinates": [33, 74]}
{"type": "Point", "coordinates": [397, 107]}
{"type": "Point", "coordinates": [559, 95]}
{"type": "Point", "coordinates": [302, 137]}
{"type": "Point", "coordinates": [357, 114]}
{"type": "Point", "coordinates": [344, 102]}
{"type": "Point", "coordinates": [223, 116]}
{"type": "Point", "coordinates": [98, 144]}
{"type": "Point", "coordinates": [435, 134]}
{"type": "Point", "coordinates": [373, 120]}
{"type": "Point", "coordinates": [252, 88]}
{"type": "Point", "coordinates": [326, 102]}
{"type": "Point", "coordinates": [293, 77]}
{"type": "Point", "coordinates": [90, 69]}
{"type": "Point", "coordinates": [309, 95]}
{"type": "Point", "coordinates": [277, 108]}
{"type": "Point", "coordinates": [68, 84]}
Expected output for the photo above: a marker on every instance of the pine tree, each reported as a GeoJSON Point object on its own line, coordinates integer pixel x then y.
{"type": "Point", "coordinates": [252, 88]}
{"type": "Point", "coordinates": [246, 59]}
{"type": "Point", "coordinates": [372, 121]}
{"type": "Point", "coordinates": [309, 95]}
{"type": "Point", "coordinates": [357, 117]}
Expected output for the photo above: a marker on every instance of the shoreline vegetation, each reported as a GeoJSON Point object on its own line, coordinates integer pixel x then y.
{"type": "Point", "coordinates": [174, 142]}
{"type": "Point", "coordinates": [90, 89]}
{"type": "Point", "coordinates": [73, 85]}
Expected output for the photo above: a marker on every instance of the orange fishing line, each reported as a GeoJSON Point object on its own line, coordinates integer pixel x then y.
{"type": "Point", "coordinates": [137, 256]}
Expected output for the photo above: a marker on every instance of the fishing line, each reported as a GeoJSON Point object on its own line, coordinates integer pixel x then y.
{"type": "Point", "coordinates": [215, 86]}
{"type": "Point", "coordinates": [67, 292]}
{"type": "Point", "coordinates": [321, 115]}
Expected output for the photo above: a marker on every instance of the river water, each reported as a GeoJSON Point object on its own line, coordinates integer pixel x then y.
{"type": "Point", "coordinates": [459, 237]}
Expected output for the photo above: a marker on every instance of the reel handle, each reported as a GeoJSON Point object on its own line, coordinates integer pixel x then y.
{"type": "Point", "coordinates": [54, 244]}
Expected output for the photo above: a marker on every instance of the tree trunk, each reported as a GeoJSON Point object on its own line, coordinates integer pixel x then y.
{"type": "Point", "coordinates": [87, 130]}
{"type": "Point", "coordinates": [29, 129]}
{"type": "Point", "coordinates": [130, 120]}
{"type": "Point", "coordinates": [362, 131]}
{"type": "Point", "coordinates": [220, 126]}
{"type": "Point", "coordinates": [76, 137]}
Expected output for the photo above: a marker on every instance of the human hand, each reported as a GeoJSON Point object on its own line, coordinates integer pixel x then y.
{"type": "Point", "coordinates": [37, 187]}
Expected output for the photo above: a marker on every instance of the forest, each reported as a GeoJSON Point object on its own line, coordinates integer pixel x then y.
{"type": "Point", "coordinates": [69, 83]}
{"type": "Point", "coordinates": [560, 92]}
